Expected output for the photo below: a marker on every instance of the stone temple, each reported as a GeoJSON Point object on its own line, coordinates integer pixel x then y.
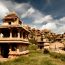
{"type": "Point", "coordinates": [13, 37]}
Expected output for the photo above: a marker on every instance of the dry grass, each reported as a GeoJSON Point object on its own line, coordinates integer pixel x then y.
{"type": "Point", "coordinates": [35, 58]}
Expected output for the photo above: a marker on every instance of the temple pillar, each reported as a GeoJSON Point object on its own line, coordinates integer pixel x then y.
{"type": "Point", "coordinates": [21, 33]}
{"type": "Point", "coordinates": [18, 33]}
{"type": "Point", "coordinates": [11, 34]}
{"type": "Point", "coordinates": [17, 50]}
{"type": "Point", "coordinates": [26, 36]}
{"type": "Point", "coordinates": [10, 50]}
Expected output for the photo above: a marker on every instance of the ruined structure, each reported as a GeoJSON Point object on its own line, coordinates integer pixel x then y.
{"type": "Point", "coordinates": [13, 37]}
{"type": "Point", "coordinates": [48, 40]}
{"type": "Point", "coordinates": [42, 41]}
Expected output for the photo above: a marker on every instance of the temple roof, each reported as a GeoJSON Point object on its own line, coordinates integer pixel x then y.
{"type": "Point", "coordinates": [11, 16]}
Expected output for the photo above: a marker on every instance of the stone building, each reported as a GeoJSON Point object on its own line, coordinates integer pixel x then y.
{"type": "Point", "coordinates": [13, 37]}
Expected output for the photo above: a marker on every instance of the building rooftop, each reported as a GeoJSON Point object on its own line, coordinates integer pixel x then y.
{"type": "Point", "coordinates": [11, 16]}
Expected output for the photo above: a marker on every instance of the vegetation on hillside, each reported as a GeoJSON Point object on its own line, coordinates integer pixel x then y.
{"type": "Point", "coordinates": [35, 58]}
{"type": "Point", "coordinates": [58, 56]}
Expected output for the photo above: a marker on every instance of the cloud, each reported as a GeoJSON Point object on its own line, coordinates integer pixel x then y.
{"type": "Point", "coordinates": [29, 12]}
{"type": "Point", "coordinates": [57, 26]}
{"type": "Point", "coordinates": [61, 29]}
{"type": "Point", "coordinates": [20, 8]}
{"type": "Point", "coordinates": [50, 26]}
{"type": "Point", "coordinates": [32, 13]}
{"type": "Point", "coordinates": [47, 18]}
{"type": "Point", "coordinates": [23, 9]}
{"type": "Point", "coordinates": [3, 10]}
{"type": "Point", "coordinates": [62, 20]}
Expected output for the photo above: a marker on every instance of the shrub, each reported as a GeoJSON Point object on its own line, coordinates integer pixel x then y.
{"type": "Point", "coordinates": [33, 47]}
{"type": "Point", "coordinates": [58, 56]}
{"type": "Point", "coordinates": [46, 51]}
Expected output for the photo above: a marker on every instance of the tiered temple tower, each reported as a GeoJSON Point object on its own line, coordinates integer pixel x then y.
{"type": "Point", "coordinates": [13, 37]}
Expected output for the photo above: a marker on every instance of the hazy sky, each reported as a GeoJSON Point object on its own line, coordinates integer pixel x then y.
{"type": "Point", "coordinates": [41, 14]}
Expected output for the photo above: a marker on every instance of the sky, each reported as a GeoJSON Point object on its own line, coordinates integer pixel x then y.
{"type": "Point", "coordinates": [39, 14]}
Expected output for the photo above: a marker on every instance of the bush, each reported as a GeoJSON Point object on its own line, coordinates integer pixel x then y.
{"type": "Point", "coordinates": [33, 47]}
{"type": "Point", "coordinates": [58, 56]}
{"type": "Point", "coordinates": [46, 51]}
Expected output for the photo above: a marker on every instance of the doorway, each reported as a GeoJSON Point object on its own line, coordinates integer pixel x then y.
{"type": "Point", "coordinates": [5, 50]}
